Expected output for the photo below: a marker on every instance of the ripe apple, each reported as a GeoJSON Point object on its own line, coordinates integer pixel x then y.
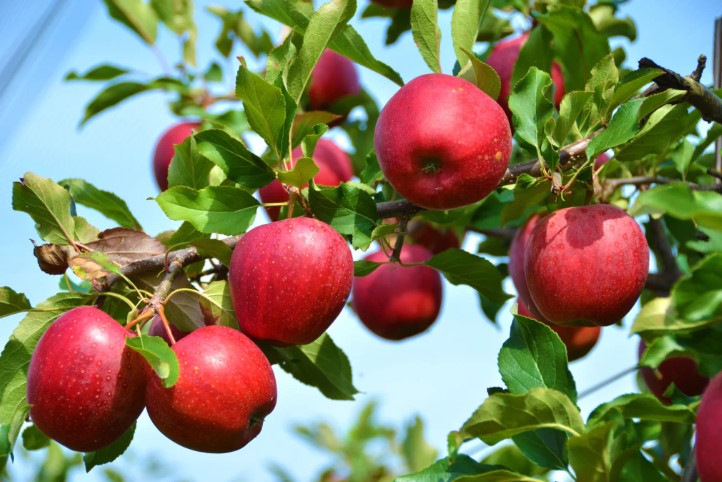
{"type": "Point", "coordinates": [442, 143]}
{"type": "Point", "coordinates": [517, 251]}
{"type": "Point", "coordinates": [85, 387]}
{"type": "Point", "coordinates": [680, 370]}
{"type": "Point", "coordinates": [601, 160]}
{"type": "Point", "coordinates": [395, 301]}
{"type": "Point", "coordinates": [157, 329]}
{"type": "Point", "coordinates": [579, 340]}
{"type": "Point", "coordinates": [503, 59]}
{"type": "Point", "coordinates": [165, 149]}
{"type": "Point", "coordinates": [709, 435]}
{"type": "Point", "coordinates": [334, 167]}
{"type": "Point", "coordinates": [333, 78]}
{"type": "Point", "coordinates": [225, 389]}
{"type": "Point", "coordinates": [289, 280]}
{"type": "Point", "coordinates": [586, 265]}
{"type": "Point", "coordinates": [435, 239]}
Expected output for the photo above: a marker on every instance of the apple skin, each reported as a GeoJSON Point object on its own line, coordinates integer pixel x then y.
{"type": "Point", "coordinates": [334, 167]}
{"type": "Point", "coordinates": [680, 370]}
{"type": "Point", "coordinates": [225, 388]}
{"type": "Point", "coordinates": [586, 265]}
{"type": "Point", "coordinates": [435, 239]}
{"type": "Point", "coordinates": [442, 143]}
{"type": "Point", "coordinates": [157, 329]}
{"type": "Point", "coordinates": [579, 340]}
{"type": "Point", "coordinates": [333, 78]}
{"type": "Point", "coordinates": [503, 58]}
{"type": "Point", "coordinates": [165, 149]}
{"type": "Point", "coordinates": [709, 432]}
{"type": "Point", "coordinates": [601, 160]}
{"type": "Point", "coordinates": [289, 280]}
{"type": "Point", "coordinates": [397, 302]}
{"type": "Point", "coordinates": [517, 252]}
{"type": "Point", "coordinates": [85, 386]}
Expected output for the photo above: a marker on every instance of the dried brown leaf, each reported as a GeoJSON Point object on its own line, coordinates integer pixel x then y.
{"type": "Point", "coordinates": [53, 258]}
{"type": "Point", "coordinates": [124, 246]}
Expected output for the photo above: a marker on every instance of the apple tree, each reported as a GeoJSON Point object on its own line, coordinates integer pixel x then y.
{"type": "Point", "coordinates": [576, 168]}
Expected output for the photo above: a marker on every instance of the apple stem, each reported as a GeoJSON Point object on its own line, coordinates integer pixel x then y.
{"type": "Point", "coordinates": [160, 311]}
{"type": "Point", "coordinates": [401, 234]}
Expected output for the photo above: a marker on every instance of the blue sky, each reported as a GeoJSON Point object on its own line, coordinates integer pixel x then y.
{"type": "Point", "coordinates": [441, 375]}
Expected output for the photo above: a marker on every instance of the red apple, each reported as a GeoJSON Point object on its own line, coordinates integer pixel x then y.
{"type": "Point", "coordinates": [517, 251]}
{"type": "Point", "coordinates": [165, 149]}
{"type": "Point", "coordinates": [709, 432]}
{"type": "Point", "coordinates": [442, 143]}
{"type": "Point", "coordinates": [225, 389]}
{"type": "Point", "coordinates": [435, 239]}
{"type": "Point", "coordinates": [503, 59]}
{"type": "Point", "coordinates": [601, 160]}
{"type": "Point", "coordinates": [157, 329]}
{"type": "Point", "coordinates": [333, 78]}
{"type": "Point", "coordinates": [334, 167]}
{"type": "Point", "coordinates": [586, 265]}
{"type": "Point", "coordinates": [398, 302]}
{"type": "Point", "coordinates": [289, 280]}
{"type": "Point", "coordinates": [579, 340]}
{"type": "Point", "coordinates": [680, 370]}
{"type": "Point", "coordinates": [85, 387]}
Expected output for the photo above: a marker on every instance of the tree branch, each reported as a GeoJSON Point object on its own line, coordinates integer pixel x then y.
{"type": "Point", "coordinates": [668, 270]}
{"type": "Point", "coordinates": [699, 96]}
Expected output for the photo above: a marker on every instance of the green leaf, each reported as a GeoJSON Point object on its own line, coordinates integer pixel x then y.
{"type": "Point", "coordinates": [363, 268]}
{"type": "Point", "coordinates": [661, 130]}
{"type": "Point", "coordinates": [697, 297]}
{"type": "Point", "coordinates": [350, 210]}
{"type": "Point", "coordinates": [216, 304]}
{"type": "Point", "coordinates": [534, 356]}
{"type": "Point", "coordinates": [497, 475]}
{"type": "Point", "coordinates": [297, 14]}
{"type": "Point", "coordinates": [504, 415]}
{"type": "Point", "coordinates": [658, 316]}
{"type": "Point", "coordinates": [571, 123]}
{"type": "Point", "coordinates": [531, 104]}
{"type": "Point", "coordinates": [214, 248]}
{"type": "Point", "coordinates": [306, 122]}
{"type": "Point", "coordinates": [610, 25]}
{"type": "Point", "coordinates": [302, 172]}
{"type": "Point", "coordinates": [34, 439]}
{"type": "Point", "coordinates": [106, 203]}
{"type": "Point", "coordinates": [10, 429]}
{"type": "Point", "coordinates": [639, 468]}
{"type": "Point", "coordinates": [622, 128]}
{"type": "Point", "coordinates": [99, 73]}
{"type": "Point", "coordinates": [643, 406]}
{"type": "Point", "coordinates": [631, 85]}
{"type": "Point", "coordinates": [324, 24]}
{"type": "Point", "coordinates": [214, 209]}
{"type": "Point", "coordinates": [12, 302]}
{"type": "Point", "coordinates": [320, 364]}
{"type": "Point", "coordinates": [110, 96]}
{"type": "Point", "coordinates": [49, 206]}
{"type": "Point", "coordinates": [590, 454]}
{"type": "Point", "coordinates": [482, 75]}
{"type": "Point", "coordinates": [417, 453]}
{"type": "Point", "coordinates": [680, 201]}
{"type": "Point", "coordinates": [577, 43]}
{"type": "Point", "coordinates": [535, 52]}
{"type": "Point", "coordinates": [265, 107]}
{"type": "Point", "coordinates": [545, 447]}
{"type": "Point", "coordinates": [426, 33]}
{"type": "Point", "coordinates": [111, 452]}
{"type": "Point", "coordinates": [137, 15]}
{"type": "Point", "coordinates": [461, 267]}
{"type": "Point", "coordinates": [15, 357]}
{"type": "Point", "coordinates": [445, 470]}
{"type": "Point", "coordinates": [161, 358]}
{"type": "Point", "coordinates": [232, 156]}
{"type": "Point", "coordinates": [465, 22]}
{"type": "Point", "coordinates": [188, 167]}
